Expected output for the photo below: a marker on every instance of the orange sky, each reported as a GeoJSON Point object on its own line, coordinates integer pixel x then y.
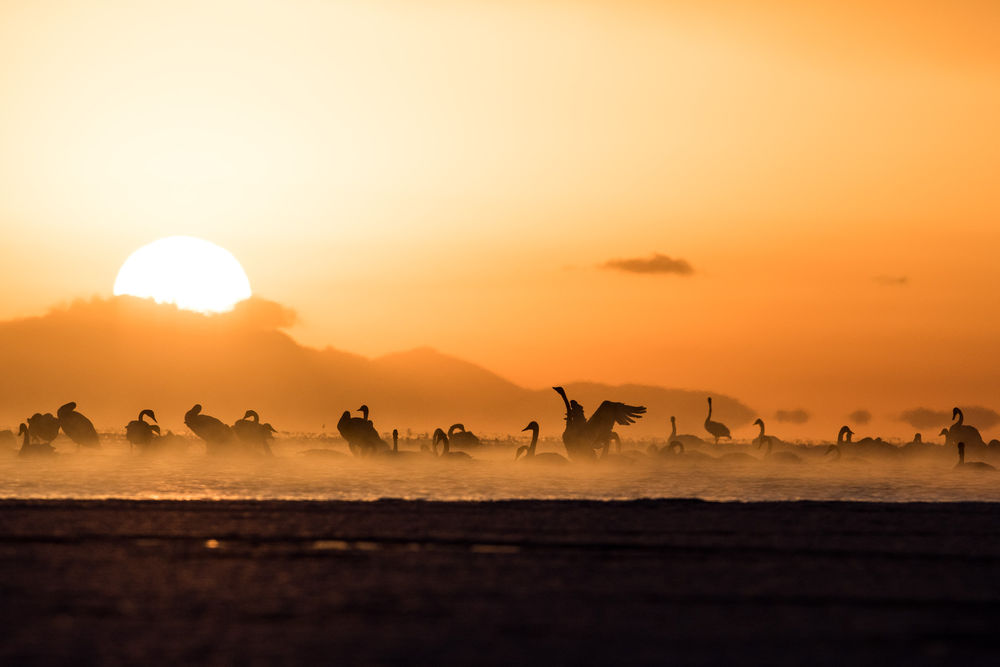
{"type": "Point", "coordinates": [455, 174]}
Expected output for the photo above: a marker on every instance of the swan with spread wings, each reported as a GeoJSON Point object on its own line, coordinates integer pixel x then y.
{"type": "Point", "coordinates": [582, 436]}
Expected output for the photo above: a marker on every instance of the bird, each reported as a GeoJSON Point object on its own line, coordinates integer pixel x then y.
{"type": "Point", "coordinates": [717, 429]}
{"type": "Point", "coordinates": [674, 450]}
{"type": "Point", "coordinates": [462, 439]}
{"type": "Point", "coordinates": [545, 458]}
{"type": "Point", "coordinates": [253, 434]}
{"type": "Point", "coordinates": [446, 454]}
{"type": "Point", "coordinates": [583, 435]}
{"type": "Point", "coordinates": [777, 457]}
{"type": "Point", "coordinates": [360, 433]}
{"type": "Point", "coordinates": [216, 434]}
{"type": "Point", "coordinates": [759, 440]}
{"type": "Point", "coordinates": [687, 439]}
{"type": "Point", "coordinates": [978, 466]}
{"type": "Point", "coordinates": [29, 448]}
{"type": "Point", "coordinates": [79, 429]}
{"type": "Point", "coordinates": [140, 433]}
{"type": "Point", "coordinates": [960, 431]}
{"type": "Point", "coordinates": [43, 427]}
{"type": "Point", "coordinates": [398, 455]}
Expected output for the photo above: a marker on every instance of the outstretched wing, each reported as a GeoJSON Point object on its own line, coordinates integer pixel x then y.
{"type": "Point", "coordinates": [610, 413]}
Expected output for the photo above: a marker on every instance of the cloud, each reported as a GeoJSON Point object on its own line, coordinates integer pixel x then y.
{"type": "Point", "coordinates": [798, 416]}
{"type": "Point", "coordinates": [926, 418]}
{"type": "Point", "coordinates": [976, 415]}
{"type": "Point", "coordinates": [657, 263]}
{"type": "Point", "coordinates": [860, 416]}
{"type": "Point", "coordinates": [892, 281]}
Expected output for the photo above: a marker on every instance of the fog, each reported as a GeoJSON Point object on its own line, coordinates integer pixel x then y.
{"type": "Point", "coordinates": [316, 467]}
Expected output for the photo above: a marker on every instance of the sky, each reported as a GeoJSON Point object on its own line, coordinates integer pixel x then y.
{"type": "Point", "coordinates": [795, 205]}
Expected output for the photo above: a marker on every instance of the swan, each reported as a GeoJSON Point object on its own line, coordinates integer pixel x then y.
{"type": "Point", "coordinates": [675, 450]}
{"type": "Point", "coordinates": [960, 431]}
{"type": "Point", "coordinates": [44, 428]}
{"type": "Point", "coordinates": [32, 449]}
{"type": "Point", "coordinates": [461, 438]}
{"type": "Point", "coordinates": [252, 433]}
{"type": "Point", "coordinates": [138, 432]}
{"type": "Point", "coordinates": [79, 429]}
{"type": "Point", "coordinates": [446, 454]}
{"type": "Point", "coordinates": [717, 429]}
{"type": "Point", "coordinates": [759, 440]}
{"type": "Point", "coordinates": [582, 436]}
{"type": "Point", "coordinates": [972, 466]}
{"type": "Point", "coordinates": [778, 457]}
{"type": "Point", "coordinates": [212, 430]}
{"type": "Point", "coordinates": [545, 458]}
{"type": "Point", "coordinates": [360, 434]}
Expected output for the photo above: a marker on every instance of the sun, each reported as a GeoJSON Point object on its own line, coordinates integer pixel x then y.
{"type": "Point", "coordinates": [192, 273]}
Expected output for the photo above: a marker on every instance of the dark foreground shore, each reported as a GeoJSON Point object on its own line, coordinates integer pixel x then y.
{"type": "Point", "coordinates": [526, 582]}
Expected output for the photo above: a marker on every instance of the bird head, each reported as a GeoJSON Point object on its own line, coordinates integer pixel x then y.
{"type": "Point", "coordinates": [532, 426]}
{"type": "Point", "coordinates": [71, 406]}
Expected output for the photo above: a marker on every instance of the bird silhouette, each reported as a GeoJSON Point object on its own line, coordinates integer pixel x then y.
{"type": "Point", "coordinates": [545, 458]}
{"type": "Point", "coordinates": [216, 434]}
{"type": "Point", "coordinates": [79, 429]}
{"type": "Point", "coordinates": [140, 433]}
{"type": "Point", "coordinates": [462, 439]}
{"type": "Point", "coordinates": [446, 454]}
{"type": "Point", "coordinates": [360, 434]}
{"type": "Point", "coordinates": [974, 466]}
{"type": "Point", "coordinates": [30, 449]}
{"type": "Point", "coordinates": [582, 436]}
{"type": "Point", "coordinates": [716, 429]}
{"type": "Point", "coordinates": [759, 440]}
{"type": "Point", "coordinates": [960, 431]}
{"type": "Point", "coordinates": [777, 457]}
{"type": "Point", "coordinates": [674, 450]}
{"type": "Point", "coordinates": [43, 427]}
{"type": "Point", "coordinates": [254, 435]}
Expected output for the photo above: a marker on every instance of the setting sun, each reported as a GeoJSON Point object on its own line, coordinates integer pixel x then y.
{"type": "Point", "coordinates": [192, 273]}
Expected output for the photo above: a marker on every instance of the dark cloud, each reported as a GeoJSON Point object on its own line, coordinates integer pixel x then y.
{"type": "Point", "coordinates": [656, 264]}
{"type": "Point", "coordinates": [975, 415]}
{"type": "Point", "coordinates": [860, 416]}
{"type": "Point", "coordinates": [926, 418]}
{"type": "Point", "coordinates": [798, 416]}
{"type": "Point", "coordinates": [892, 281]}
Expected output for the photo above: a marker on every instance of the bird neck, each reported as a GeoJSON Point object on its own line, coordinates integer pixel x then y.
{"type": "Point", "coordinates": [673, 429]}
{"type": "Point", "coordinates": [761, 434]}
{"type": "Point", "coordinates": [709, 410]}
{"type": "Point", "coordinates": [534, 442]}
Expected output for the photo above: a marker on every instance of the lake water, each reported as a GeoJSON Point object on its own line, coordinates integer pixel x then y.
{"type": "Point", "coordinates": [115, 472]}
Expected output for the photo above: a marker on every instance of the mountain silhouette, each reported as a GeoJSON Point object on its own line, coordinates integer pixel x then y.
{"type": "Point", "coordinates": [122, 354]}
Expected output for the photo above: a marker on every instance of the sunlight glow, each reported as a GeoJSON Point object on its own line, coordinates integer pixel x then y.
{"type": "Point", "coordinates": [192, 273]}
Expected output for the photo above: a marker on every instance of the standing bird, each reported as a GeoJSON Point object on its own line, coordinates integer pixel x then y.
{"type": "Point", "coordinates": [44, 428]}
{"type": "Point", "coordinates": [717, 429]}
{"type": "Point", "coordinates": [974, 465]}
{"type": "Point", "coordinates": [582, 436]}
{"type": "Point", "coordinates": [210, 429]}
{"type": "Point", "coordinates": [446, 454]}
{"type": "Point", "coordinates": [79, 429]}
{"type": "Point", "coordinates": [32, 449]}
{"type": "Point", "coordinates": [545, 458]}
{"type": "Point", "coordinates": [139, 433]}
{"type": "Point", "coordinates": [360, 434]}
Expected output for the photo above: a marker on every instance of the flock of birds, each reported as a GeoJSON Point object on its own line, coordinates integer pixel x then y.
{"type": "Point", "coordinates": [585, 439]}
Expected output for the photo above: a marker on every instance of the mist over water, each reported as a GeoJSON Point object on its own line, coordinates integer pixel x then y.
{"type": "Point", "coordinates": [115, 472]}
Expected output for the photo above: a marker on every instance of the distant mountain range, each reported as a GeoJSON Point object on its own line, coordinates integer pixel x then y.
{"type": "Point", "coordinates": [116, 356]}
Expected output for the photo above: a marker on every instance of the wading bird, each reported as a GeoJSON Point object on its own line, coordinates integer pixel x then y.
{"type": "Point", "coordinates": [462, 439]}
{"type": "Point", "coordinates": [716, 429]}
{"type": "Point", "coordinates": [79, 429]}
{"type": "Point", "coordinates": [582, 436]}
